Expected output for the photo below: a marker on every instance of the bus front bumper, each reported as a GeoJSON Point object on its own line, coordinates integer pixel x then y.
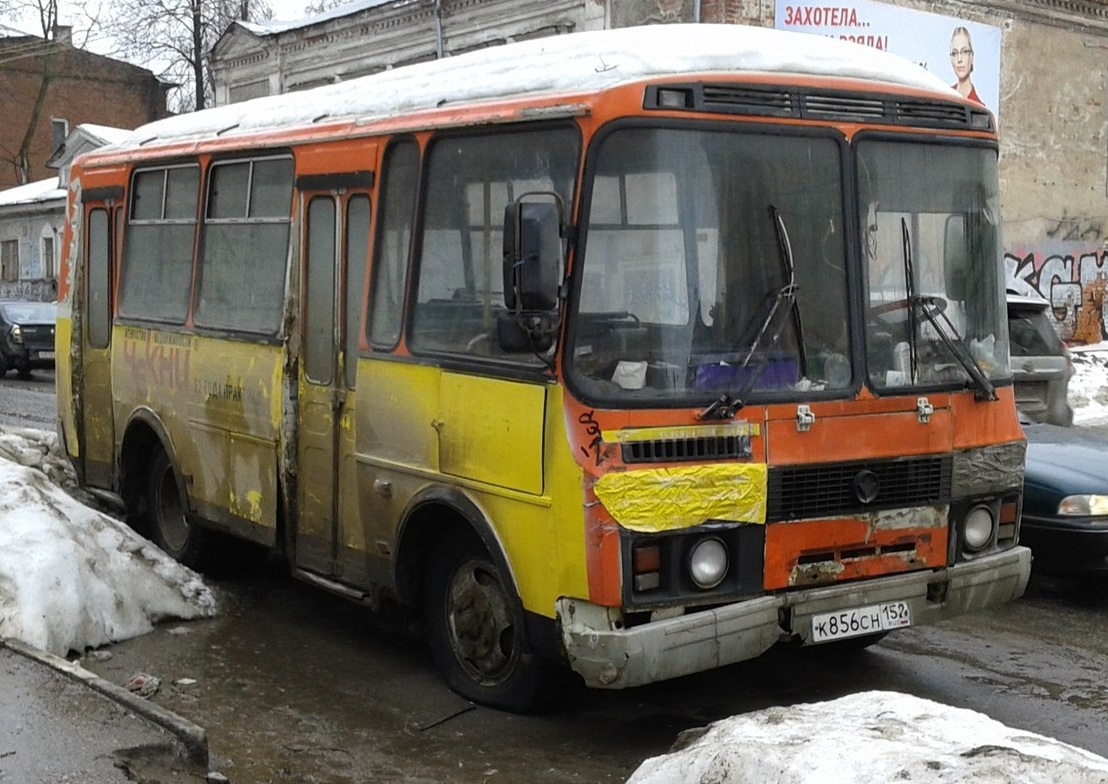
{"type": "Point", "coordinates": [616, 658]}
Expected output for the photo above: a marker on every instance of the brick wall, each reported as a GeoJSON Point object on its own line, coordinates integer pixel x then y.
{"type": "Point", "coordinates": [83, 87]}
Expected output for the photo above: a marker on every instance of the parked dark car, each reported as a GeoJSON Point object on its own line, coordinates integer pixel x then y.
{"type": "Point", "coordinates": [1041, 364]}
{"type": "Point", "coordinates": [26, 336]}
{"type": "Point", "coordinates": [1065, 498]}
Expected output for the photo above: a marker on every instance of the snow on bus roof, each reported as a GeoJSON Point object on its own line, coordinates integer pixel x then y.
{"type": "Point", "coordinates": [571, 64]}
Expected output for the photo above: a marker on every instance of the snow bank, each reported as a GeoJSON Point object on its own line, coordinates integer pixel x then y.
{"type": "Point", "coordinates": [1088, 389]}
{"type": "Point", "coordinates": [72, 578]}
{"type": "Point", "coordinates": [870, 738]}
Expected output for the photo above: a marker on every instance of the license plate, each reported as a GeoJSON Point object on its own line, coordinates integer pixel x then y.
{"type": "Point", "coordinates": [861, 620]}
{"type": "Point", "coordinates": [46, 355]}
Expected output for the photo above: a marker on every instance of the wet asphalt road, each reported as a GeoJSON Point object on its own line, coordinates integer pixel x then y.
{"type": "Point", "coordinates": [294, 685]}
{"type": "Point", "coordinates": [29, 403]}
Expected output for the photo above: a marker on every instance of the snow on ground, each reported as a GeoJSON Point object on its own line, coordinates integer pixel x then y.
{"type": "Point", "coordinates": [872, 737]}
{"type": "Point", "coordinates": [1088, 389]}
{"type": "Point", "coordinates": [71, 577]}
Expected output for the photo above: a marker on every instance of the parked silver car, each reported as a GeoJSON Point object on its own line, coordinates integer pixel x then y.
{"type": "Point", "coordinates": [1041, 364]}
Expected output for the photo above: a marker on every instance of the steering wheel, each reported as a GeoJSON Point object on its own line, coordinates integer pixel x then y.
{"type": "Point", "coordinates": [897, 310]}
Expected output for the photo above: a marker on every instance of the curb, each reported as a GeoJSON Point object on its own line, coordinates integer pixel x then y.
{"type": "Point", "coordinates": [192, 737]}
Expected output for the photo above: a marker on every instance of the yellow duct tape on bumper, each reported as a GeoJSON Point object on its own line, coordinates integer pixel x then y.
{"type": "Point", "coordinates": [668, 499]}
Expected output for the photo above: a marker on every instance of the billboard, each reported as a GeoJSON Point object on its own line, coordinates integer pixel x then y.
{"type": "Point", "coordinates": [964, 54]}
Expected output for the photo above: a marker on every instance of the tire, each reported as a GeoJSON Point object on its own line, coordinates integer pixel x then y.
{"type": "Point", "coordinates": [474, 626]}
{"type": "Point", "coordinates": [166, 523]}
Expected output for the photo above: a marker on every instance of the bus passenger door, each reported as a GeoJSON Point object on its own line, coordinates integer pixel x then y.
{"type": "Point", "coordinates": [330, 537]}
{"type": "Point", "coordinates": [320, 391]}
{"type": "Point", "coordinates": [97, 420]}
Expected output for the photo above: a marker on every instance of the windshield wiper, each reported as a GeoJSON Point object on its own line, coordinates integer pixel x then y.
{"type": "Point", "coordinates": [935, 307]}
{"type": "Point", "coordinates": [781, 300]}
{"type": "Point", "coordinates": [910, 295]}
{"type": "Point", "coordinates": [785, 256]}
{"type": "Point", "coordinates": [932, 308]}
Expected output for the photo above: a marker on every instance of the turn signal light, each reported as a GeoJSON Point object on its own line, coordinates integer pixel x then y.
{"type": "Point", "coordinates": [646, 566]}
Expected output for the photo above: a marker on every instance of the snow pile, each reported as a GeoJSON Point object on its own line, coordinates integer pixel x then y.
{"type": "Point", "coordinates": [870, 738]}
{"type": "Point", "coordinates": [1088, 389]}
{"type": "Point", "coordinates": [37, 449]}
{"type": "Point", "coordinates": [72, 578]}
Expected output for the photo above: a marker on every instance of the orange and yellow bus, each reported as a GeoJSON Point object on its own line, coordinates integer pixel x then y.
{"type": "Point", "coordinates": [633, 352]}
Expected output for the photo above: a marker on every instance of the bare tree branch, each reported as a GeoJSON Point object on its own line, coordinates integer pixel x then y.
{"type": "Point", "coordinates": [319, 6]}
{"type": "Point", "coordinates": [174, 38]}
{"type": "Point", "coordinates": [46, 13]}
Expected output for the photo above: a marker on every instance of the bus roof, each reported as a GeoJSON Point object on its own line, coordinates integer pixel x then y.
{"type": "Point", "coordinates": [567, 64]}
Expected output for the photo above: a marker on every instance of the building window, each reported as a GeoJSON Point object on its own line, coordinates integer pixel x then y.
{"type": "Point", "coordinates": [244, 92]}
{"type": "Point", "coordinates": [49, 269]}
{"type": "Point", "coordinates": [9, 261]}
{"type": "Point", "coordinates": [60, 130]}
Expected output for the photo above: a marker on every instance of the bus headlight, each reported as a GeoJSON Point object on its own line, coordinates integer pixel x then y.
{"type": "Point", "coordinates": [978, 528]}
{"type": "Point", "coordinates": [708, 563]}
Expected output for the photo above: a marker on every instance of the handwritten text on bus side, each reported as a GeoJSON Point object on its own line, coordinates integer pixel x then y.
{"type": "Point", "coordinates": [158, 360]}
{"type": "Point", "coordinates": [595, 446]}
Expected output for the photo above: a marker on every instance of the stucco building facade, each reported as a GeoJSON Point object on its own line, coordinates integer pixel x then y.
{"type": "Point", "coordinates": [32, 217]}
{"type": "Point", "coordinates": [1052, 83]}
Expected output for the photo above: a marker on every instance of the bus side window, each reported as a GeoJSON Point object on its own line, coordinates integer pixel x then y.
{"type": "Point", "coordinates": [319, 294]}
{"type": "Point", "coordinates": [245, 248]}
{"type": "Point", "coordinates": [356, 249]}
{"type": "Point", "coordinates": [390, 262]}
{"type": "Point", "coordinates": [160, 239]}
{"type": "Point", "coordinates": [470, 180]}
{"type": "Point", "coordinates": [98, 282]}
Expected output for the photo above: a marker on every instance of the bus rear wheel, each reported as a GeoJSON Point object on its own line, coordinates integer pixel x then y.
{"type": "Point", "coordinates": [474, 627]}
{"type": "Point", "coordinates": [167, 524]}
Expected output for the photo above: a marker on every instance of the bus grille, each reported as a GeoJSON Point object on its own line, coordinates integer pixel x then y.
{"type": "Point", "coordinates": [665, 450]}
{"type": "Point", "coordinates": [745, 100]}
{"type": "Point", "coordinates": [830, 490]}
{"type": "Point", "coordinates": [773, 101]}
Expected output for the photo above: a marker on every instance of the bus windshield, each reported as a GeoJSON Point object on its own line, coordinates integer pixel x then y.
{"type": "Point", "coordinates": [928, 218]}
{"type": "Point", "coordinates": [713, 263]}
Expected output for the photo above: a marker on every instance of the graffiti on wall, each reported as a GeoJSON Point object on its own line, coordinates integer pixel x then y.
{"type": "Point", "coordinates": [30, 290]}
{"type": "Point", "coordinates": [1069, 271]}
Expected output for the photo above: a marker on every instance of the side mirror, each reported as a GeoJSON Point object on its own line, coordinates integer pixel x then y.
{"type": "Point", "coordinates": [532, 255]}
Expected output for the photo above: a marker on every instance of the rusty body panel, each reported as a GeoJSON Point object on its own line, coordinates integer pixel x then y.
{"type": "Point", "coordinates": [219, 404]}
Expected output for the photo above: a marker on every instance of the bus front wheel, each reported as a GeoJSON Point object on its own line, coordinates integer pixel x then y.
{"type": "Point", "coordinates": [167, 524]}
{"type": "Point", "coordinates": [475, 630]}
